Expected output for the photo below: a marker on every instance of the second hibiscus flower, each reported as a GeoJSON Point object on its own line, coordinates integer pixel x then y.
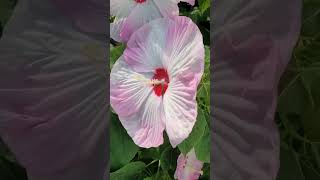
{"type": "Point", "coordinates": [132, 14]}
{"type": "Point", "coordinates": [153, 86]}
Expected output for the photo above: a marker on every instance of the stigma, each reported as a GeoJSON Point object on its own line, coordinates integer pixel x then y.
{"type": "Point", "coordinates": [161, 81]}
{"type": "Point", "coordinates": [140, 1]}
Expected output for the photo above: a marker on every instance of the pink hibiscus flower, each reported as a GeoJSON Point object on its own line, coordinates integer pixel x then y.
{"type": "Point", "coordinates": [132, 14]}
{"type": "Point", "coordinates": [154, 84]}
{"type": "Point", "coordinates": [188, 167]}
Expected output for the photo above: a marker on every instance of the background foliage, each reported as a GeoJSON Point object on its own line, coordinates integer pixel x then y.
{"type": "Point", "coordinates": [298, 113]}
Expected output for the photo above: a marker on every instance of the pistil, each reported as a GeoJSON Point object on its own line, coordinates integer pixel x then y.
{"type": "Point", "coordinates": [140, 1]}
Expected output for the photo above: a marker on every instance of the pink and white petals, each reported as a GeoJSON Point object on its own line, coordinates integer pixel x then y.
{"type": "Point", "coordinates": [139, 12]}
{"type": "Point", "coordinates": [144, 52]}
{"type": "Point", "coordinates": [128, 89]}
{"type": "Point", "coordinates": [184, 48]}
{"type": "Point", "coordinates": [121, 8]}
{"type": "Point", "coordinates": [188, 167]}
{"type": "Point", "coordinates": [139, 109]}
{"type": "Point", "coordinates": [146, 126]}
{"type": "Point", "coordinates": [140, 15]}
{"type": "Point", "coordinates": [180, 109]}
{"type": "Point", "coordinates": [185, 64]}
{"type": "Point", "coordinates": [115, 28]}
{"type": "Point", "coordinates": [159, 54]}
{"type": "Point", "coordinates": [168, 8]}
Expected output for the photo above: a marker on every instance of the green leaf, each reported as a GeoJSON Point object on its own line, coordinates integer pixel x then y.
{"type": "Point", "coordinates": [289, 165]}
{"type": "Point", "coordinates": [6, 7]}
{"type": "Point", "coordinates": [204, 5]}
{"type": "Point", "coordinates": [198, 139]}
{"type": "Point", "coordinates": [196, 15]}
{"type": "Point", "coordinates": [129, 171]}
{"type": "Point", "coordinates": [203, 99]}
{"type": "Point", "coordinates": [150, 153]}
{"type": "Point", "coordinates": [202, 148]}
{"type": "Point", "coordinates": [206, 172]}
{"type": "Point", "coordinates": [6, 153]}
{"type": "Point", "coordinates": [163, 175]}
{"type": "Point", "coordinates": [122, 149]}
{"type": "Point", "coordinates": [115, 53]}
{"type": "Point", "coordinates": [203, 94]}
{"type": "Point", "coordinates": [196, 134]}
{"type": "Point", "coordinates": [311, 78]}
{"type": "Point", "coordinates": [311, 16]}
{"type": "Point", "coordinates": [311, 124]}
{"type": "Point", "coordinates": [207, 59]}
{"type": "Point", "coordinates": [298, 103]}
{"type": "Point", "coordinates": [168, 159]}
{"type": "Point", "coordinates": [309, 172]}
{"type": "Point", "coordinates": [302, 97]}
{"type": "Point", "coordinates": [11, 171]}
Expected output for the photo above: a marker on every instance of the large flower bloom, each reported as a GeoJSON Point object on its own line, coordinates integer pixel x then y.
{"type": "Point", "coordinates": [132, 14]}
{"type": "Point", "coordinates": [188, 167]}
{"type": "Point", "coordinates": [154, 84]}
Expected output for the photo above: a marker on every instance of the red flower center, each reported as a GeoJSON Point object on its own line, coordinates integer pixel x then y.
{"type": "Point", "coordinates": [160, 75]}
{"type": "Point", "coordinates": [140, 1]}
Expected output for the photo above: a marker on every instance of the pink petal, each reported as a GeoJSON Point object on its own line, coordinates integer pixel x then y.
{"type": "Point", "coordinates": [188, 167]}
{"type": "Point", "coordinates": [146, 127]}
{"type": "Point", "coordinates": [115, 28]}
{"type": "Point", "coordinates": [180, 109]}
{"type": "Point", "coordinates": [144, 51]}
{"type": "Point", "coordinates": [181, 162]}
{"type": "Point", "coordinates": [184, 48]}
{"type": "Point", "coordinates": [121, 8]}
{"type": "Point", "coordinates": [128, 91]}
{"type": "Point", "coordinates": [139, 16]}
{"type": "Point", "coordinates": [185, 62]}
{"type": "Point", "coordinates": [196, 165]}
{"type": "Point", "coordinates": [168, 8]}
{"type": "Point", "coordinates": [140, 111]}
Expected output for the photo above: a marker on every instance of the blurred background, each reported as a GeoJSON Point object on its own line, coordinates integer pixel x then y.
{"type": "Point", "coordinates": [9, 167]}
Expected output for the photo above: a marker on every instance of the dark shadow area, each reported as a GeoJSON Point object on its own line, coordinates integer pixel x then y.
{"type": "Point", "coordinates": [53, 90]}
